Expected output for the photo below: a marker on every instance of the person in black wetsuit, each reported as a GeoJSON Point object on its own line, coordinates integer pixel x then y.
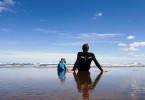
{"type": "Point", "coordinates": [84, 60]}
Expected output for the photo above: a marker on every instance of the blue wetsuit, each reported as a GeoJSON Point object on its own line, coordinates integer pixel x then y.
{"type": "Point", "coordinates": [61, 74]}
{"type": "Point", "coordinates": [61, 65]}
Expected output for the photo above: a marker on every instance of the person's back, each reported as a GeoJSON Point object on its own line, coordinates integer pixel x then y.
{"type": "Point", "coordinates": [61, 64]}
{"type": "Point", "coordinates": [84, 60]}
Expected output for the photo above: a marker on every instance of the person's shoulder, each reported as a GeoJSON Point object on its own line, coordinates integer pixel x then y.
{"type": "Point", "coordinates": [80, 53]}
{"type": "Point", "coordinates": [90, 53]}
{"type": "Point", "coordinates": [60, 63]}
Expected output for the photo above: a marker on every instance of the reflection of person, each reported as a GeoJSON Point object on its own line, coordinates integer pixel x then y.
{"type": "Point", "coordinates": [84, 60]}
{"type": "Point", "coordinates": [84, 82]}
{"type": "Point", "coordinates": [61, 74]}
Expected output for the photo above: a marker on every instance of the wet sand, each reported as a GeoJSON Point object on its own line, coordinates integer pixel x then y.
{"type": "Point", "coordinates": [124, 83]}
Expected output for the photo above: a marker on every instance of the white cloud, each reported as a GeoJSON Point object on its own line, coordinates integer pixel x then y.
{"type": "Point", "coordinates": [118, 59]}
{"type": "Point", "coordinates": [95, 35]}
{"type": "Point", "coordinates": [42, 30]}
{"type": "Point", "coordinates": [131, 48]}
{"type": "Point", "coordinates": [97, 15]}
{"type": "Point", "coordinates": [137, 55]}
{"type": "Point", "coordinates": [35, 57]}
{"type": "Point", "coordinates": [122, 44]}
{"type": "Point", "coordinates": [5, 5]}
{"type": "Point", "coordinates": [2, 9]}
{"type": "Point", "coordinates": [70, 43]}
{"type": "Point", "coordinates": [130, 37]}
{"type": "Point", "coordinates": [49, 57]}
{"type": "Point", "coordinates": [137, 44]}
{"type": "Point", "coordinates": [5, 30]}
{"type": "Point", "coordinates": [9, 2]}
{"type": "Point", "coordinates": [79, 35]}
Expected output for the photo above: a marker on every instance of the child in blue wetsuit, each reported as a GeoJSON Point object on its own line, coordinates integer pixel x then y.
{"type": "Point", "coordinates": [62, 64]}
{"type": "Point", "coordinates": [62, 69]}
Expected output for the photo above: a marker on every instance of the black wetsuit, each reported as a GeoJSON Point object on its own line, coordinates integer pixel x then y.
{"type": "Point", "coordinates": [84, 60]}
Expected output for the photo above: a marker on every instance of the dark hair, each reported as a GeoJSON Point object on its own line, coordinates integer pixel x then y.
{"type": "Point", "coordinates": [85, 47]}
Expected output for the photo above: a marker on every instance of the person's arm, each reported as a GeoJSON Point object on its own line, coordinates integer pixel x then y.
{"type": "Point", "coordinates": [77, 80]}
{"type": "Point", "coordinates": [77, 62]}
{"type": "Point", "coordinates": [66, 68]}
{"type": "Point", "coordinates": [97, 80]}
{"type": "Point", "coordinates": [97, 63]}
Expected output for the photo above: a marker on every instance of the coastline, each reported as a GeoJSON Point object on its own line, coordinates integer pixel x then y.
{"type": "Point", "coordinates": [29, 65]}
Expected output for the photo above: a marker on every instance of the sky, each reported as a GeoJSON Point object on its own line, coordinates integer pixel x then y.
{"type": "Point", "coordinates": [43, 31]}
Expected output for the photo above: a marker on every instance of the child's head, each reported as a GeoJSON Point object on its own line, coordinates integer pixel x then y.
{"type": "Point", "coordinates": [63, 60]}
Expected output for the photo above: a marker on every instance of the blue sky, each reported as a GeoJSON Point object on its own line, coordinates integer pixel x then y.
{"type": "Point", "coordinates": [43, 31]}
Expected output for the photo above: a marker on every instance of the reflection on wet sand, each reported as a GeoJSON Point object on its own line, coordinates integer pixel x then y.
{"type": "Point", "coordinates": [85, 83]}
{"type": "Point", "coordinates": [61, 75]}
{"type": "Point", "coordinates": [47, 84]}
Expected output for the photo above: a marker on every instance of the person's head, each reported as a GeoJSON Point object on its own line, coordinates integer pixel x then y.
{"type": "Point", "coordinates": [85, 47]}
{"type": "Point", "coordinates": [63, 60]}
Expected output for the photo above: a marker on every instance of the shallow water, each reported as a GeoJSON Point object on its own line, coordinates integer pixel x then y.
{"type": "Point", "coordinates": [123, 83]}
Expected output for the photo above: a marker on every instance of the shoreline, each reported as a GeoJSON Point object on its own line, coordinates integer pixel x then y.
{"type": "Point", "coordinates": [55, 66]}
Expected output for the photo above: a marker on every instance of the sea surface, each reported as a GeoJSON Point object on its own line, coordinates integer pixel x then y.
{"type": "Point", "coordinates": [120, 83]}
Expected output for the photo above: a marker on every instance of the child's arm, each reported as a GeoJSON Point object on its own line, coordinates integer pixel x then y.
{"type": "Point", "coordinates": [66, 68]}
{"type": "Point", "coordinates": [68, 71]}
